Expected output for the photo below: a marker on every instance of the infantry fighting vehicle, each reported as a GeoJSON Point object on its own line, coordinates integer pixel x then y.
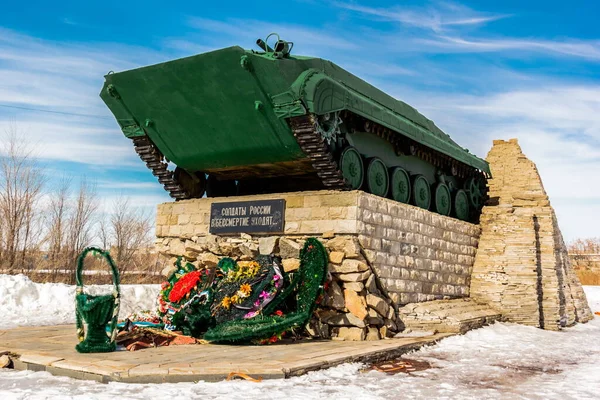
{"type": "Point", "coordinates": [235, 121]}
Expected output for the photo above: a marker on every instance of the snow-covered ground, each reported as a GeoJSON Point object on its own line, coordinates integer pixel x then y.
{"type": "Point", "coordinates": [505, 361]}
{"type": "Point", "coordinates": [25, 303]}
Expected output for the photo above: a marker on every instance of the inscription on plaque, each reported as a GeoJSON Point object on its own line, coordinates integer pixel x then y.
{"type": "Point", "coordinates": [260, 216]}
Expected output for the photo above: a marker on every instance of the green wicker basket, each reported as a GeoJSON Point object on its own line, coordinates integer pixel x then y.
{"type": "Point", "coordinates": [100, 313]}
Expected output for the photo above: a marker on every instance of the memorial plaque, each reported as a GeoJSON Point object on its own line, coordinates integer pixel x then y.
{"type": "Point", "coordinates": [260, 216]}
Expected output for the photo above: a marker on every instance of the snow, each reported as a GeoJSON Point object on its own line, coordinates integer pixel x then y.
{"type": "Point", "coordinates": [26, 303]}
{"type": "Point", "coordinates": [502, 361]}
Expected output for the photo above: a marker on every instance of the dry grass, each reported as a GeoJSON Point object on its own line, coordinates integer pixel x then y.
{"type": "Point", "coordinates": [126, 278]}
{"type": "Point", "coordinates": [144, 268]}
{"type": "Point", "coordinates": [588, 277]}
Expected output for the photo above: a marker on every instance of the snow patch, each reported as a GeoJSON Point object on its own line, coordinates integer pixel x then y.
{"type": "Point", "coordinates": [26, 303]}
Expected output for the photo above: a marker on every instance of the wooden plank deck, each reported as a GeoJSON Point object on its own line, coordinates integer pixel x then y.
{"type": "Point", "coordinates": [52, 349]}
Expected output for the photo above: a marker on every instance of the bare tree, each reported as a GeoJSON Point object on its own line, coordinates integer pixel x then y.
{"type": "Point", "coordinates": [70, 219]}
{"type": "Point", "coordinates": [21, 184]}
{"type": "Point", "coordinates": [58, 212]}
{"type": "Point", "coordinates": [585, 253]}
{"type": "Point", "coordinates": [127, 233]}
{"type": "Point", "coordinates": [104, 233]}
{"type": "Point", "coordinates": [79, 234]}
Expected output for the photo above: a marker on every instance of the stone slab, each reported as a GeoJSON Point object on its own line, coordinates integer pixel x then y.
{"type": "Point", "coordinates": [36, 358]}
{"type": "Point", "coordinates": [456, 316]}
{"type": "Point", "coordinates": [191, 363]}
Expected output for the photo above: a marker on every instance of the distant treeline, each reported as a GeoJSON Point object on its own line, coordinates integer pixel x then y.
{"type": "Point", "coordinates": [44, 227]}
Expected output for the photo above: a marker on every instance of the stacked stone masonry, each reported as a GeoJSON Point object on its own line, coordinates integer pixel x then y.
{"type": "Point", "coordinates": [522, 266]}
{"type": "Point", "coordinates": [456, 316]}
{"type": "Point", "coordinates": [417, 255]}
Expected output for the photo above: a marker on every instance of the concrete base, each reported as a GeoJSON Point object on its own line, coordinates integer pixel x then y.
{"type": "Point", "coordinates": [52, 349]}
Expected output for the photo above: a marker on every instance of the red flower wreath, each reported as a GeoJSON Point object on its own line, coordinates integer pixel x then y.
{"type": "Point", "coordinates": [183, 286]}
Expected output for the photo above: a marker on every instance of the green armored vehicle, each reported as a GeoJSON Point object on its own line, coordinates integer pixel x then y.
{"type": "Point", "coordinates": [235, 121]}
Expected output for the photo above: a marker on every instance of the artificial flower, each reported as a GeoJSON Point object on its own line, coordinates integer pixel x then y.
{"type": "Point", "coordinates": [251, 314]}
{"type": "Point", "coordinates": [226, 302]}
{"type": "Point", "coordinates": [183, 286]}
{"type": "Point", "coordinates": [247, 269]}
{"type": "Point", "coordinates": [279, 313]}
{"type": "Point", "coordinates": [245, 289]}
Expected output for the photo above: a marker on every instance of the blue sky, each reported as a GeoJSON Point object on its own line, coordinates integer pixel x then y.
{"type": "Point", "coordinates": [481, 70]}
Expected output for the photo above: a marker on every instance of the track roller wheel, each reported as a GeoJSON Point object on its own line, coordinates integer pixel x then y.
{"type": "Point", "coordinates": [194, 185]}
{"type": "Point", "coordinates": [461, 205]}
{"type": "Point", "coordinates": [475, 188]}
{"type": "Point", "coordinates": [352, 167]}
{"type": "Point", "coordinates": [443, 201]}
{"type": "Point", "coordinates": [217, 188]}
{"type": "Point", "coordinates": [400, 181]}
{"type": "Point", "coordinates": [378, 180]}
{"type": "Point", "coordinates": [421, 192]}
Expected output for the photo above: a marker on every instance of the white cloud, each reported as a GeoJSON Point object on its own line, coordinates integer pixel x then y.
{"type": "Point", "coordinates": [363, 68]}
{"type": "Point", "coordinates": [447, 22]}
{"type": "Point", "coordinates": [437, 17]}
{"type": "Point", "coordinates": [37, 88]}
{"type": "Point", "coordinates": [187, 47]}
{"type": "Point", "coordinates": [126, 185]}
{"type": "Point", "coordinates": [65, 80]}
{"type": "Point", "coordinates": [68, 21]}
{"type": "Point", "coordinates": [74, 139]}
{"type": "Point", "coordinates": [589, 49]}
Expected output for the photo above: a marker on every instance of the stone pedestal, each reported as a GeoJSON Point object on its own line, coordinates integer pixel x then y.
{"type": "Point", "coordinates": [383, 254]}
{"type": "Point", "coordinates": [522, 267]}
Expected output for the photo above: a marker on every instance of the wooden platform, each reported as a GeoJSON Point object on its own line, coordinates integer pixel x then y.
{"type": "Point", "coordinates": [51, 349]}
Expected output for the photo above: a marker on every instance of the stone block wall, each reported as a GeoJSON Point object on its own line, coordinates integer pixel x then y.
{"type": "Point", "coordinates": [522, 266]}
{"type": "Point", "coordinates": [417, 255]}
{"type": "Point", "coordinates": [305, 213]}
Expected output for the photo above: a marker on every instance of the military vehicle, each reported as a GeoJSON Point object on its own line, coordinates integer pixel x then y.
{"type": "Point", "coordinates": [235, 121]}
